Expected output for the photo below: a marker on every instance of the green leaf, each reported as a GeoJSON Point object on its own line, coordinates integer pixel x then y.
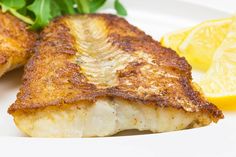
{"type": "Point", "coordinates": [25, 11]}
{"type": "Point", "coordinates": [120, 9]}
{"type": "Point", "coordinates": [55, 9]}
{"type": "Point", "coordinates": [28, 2]}
{"type": "Point", "coordinates": [12, 4]}
{"type": "Point", "coordinates": [66, 6]}
{"type": "Point", "coordinates": [82, 6]}
{"type": "Point", "coordinates": [94, 5]}
{"type": "Point", "coordinates": [41, 9]}
{"type": "Point", "coordinates": [38, 13]}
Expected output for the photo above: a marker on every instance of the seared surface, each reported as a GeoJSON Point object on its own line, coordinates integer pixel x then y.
{"type": "Point", "coordinates": [86, 57]}
{"type": "Point", "coordinates": [16, 42]}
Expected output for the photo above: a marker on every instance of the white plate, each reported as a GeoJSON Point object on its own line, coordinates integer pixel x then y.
{"type": "Point", "coordinates": [155, 17]}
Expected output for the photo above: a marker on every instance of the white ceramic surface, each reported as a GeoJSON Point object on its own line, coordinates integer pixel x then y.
{"type": "Point", "coordinates": [155, 17]}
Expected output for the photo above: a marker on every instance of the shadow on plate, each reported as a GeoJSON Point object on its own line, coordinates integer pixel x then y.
{"type": "Point", "coordinates": [132, 133]}
{"type": "Point", "coordinates": [11, 79]}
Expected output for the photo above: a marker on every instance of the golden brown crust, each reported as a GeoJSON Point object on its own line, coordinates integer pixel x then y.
{"type": "Point", "coordinates": [16, 42]}
{"type": "Point", "coordinates": [52, 77]}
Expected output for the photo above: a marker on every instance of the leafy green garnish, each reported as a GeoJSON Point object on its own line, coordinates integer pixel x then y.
{"type": "Point", "coordinates": [38, 13]}
{"type": "Point", "coordinates": [95, 5]}
{"type": "Point", "coordinates": [82, 6]}
{"type": "Point", "coordinates": [66, 6]}
{"type": "Point", "coordinates": [41, 10]}
{"type": "Point", "coordinates": [120, 9]}
{"type": "Point", "coordinates": [55, 9]}
{"type": "Point", "coordinates": [12, 6]}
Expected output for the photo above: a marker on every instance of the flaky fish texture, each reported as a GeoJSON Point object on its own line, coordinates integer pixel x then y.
{"type": "Point", "coordinates": [96, 75]}
{"type": "Point", "coordinates": [16, 43]}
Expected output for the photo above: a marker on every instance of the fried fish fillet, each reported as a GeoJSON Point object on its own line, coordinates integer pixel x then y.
{"type": "Point", "coordinates": [16, 43]}
{"type": "Point", "coordinates": [96, 75]}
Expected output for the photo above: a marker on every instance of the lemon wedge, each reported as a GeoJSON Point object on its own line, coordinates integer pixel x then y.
{"type": "Point", "coordinates": [174, 39]}
{"type": "Point", "coordinates": [219, 83]}
{"type": "Point", "coordinates": [199, 45]}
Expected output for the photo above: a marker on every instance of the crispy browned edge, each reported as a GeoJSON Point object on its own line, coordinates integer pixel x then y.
{"type": "Point", "coordinates": [143, 42]}
{"type": "Point", "coordinates": [19, 31]}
